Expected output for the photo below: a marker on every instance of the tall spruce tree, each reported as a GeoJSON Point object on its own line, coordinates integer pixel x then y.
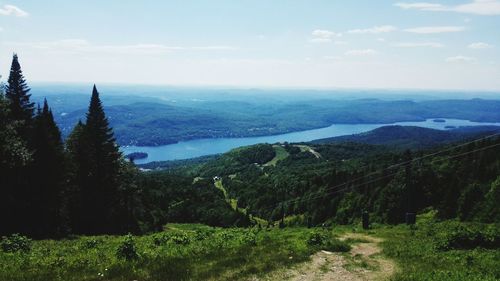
{"type": "Point", "coordinates": [98, 172]}
{"type": "Point", "coordinates": [17, 92]}
{"type": "Point", "coordinates": [14, 155]}
{"type": "Point", "coordinates": [20, 177]}
{"type": "Point", "coordinates": [49, 170]}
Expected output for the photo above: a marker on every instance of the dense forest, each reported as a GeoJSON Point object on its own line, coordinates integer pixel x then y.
{"type": "Point", "coordinates": [84, 185]}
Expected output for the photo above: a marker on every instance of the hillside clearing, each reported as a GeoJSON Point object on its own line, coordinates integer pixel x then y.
{"type": "Point", "coordinates": [306, 148]}
{"type": "Point", "coordinates": [281, 154]}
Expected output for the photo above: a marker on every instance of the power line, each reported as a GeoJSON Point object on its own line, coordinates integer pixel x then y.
{"type": "Point", "coordinates": [407, 162]}
{"type": "Point", "coordinates": [301, 199]}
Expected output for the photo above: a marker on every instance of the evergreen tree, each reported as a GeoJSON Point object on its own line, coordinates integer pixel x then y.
{"type": "Point", "coordinates": [14, 155]}
{"type": "Point", "coordinates": [17, 92]}
{"type": "Point", "coordinates": [75, 147]}
{"type": "Point", "coordinates": [20, 178]}
{"type": "Point", "coordinates": [97, 175]}
{"type": "Point", "coordinates": [49, 170]}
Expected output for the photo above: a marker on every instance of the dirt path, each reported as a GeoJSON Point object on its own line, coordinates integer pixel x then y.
{"type": "Point", "coordinates": [363, 262]}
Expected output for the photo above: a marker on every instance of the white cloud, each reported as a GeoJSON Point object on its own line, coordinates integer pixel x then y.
{"type": "Point", "coordinates": [419, 44]}
{"type": "Point", "coordinates": [381, 39]}
{"type": "Point", "coordinates": [11, 10]}
{"type": "Point", "coordinates": [480, 45]}
{"type": "Point", "coordinates": [435, 29]}
{"type": "Point", "coordinates": [83, 46]}
{"type": "Point", "coordinates": [423, 6]}
{"type": "Point", "coordinates": [477, 7]}
{"type": "Point", "coordinates": [461, 59]}
{"type": "Point", "coordinates": [324, 36]}
{"type": "Point", "coordinates": [365, 52]}
{"type": "Point", "coordinates": [374, 30]}
{"type": "Point", "coordinates": [1, 29]}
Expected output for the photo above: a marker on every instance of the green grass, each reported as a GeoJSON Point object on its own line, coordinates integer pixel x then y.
{"type": "Point", "coordinates": [180, 252]}
{"type": "Point", "coordinates": [419, 256]}
{"type": "Point", "coordinates": [281, 154]}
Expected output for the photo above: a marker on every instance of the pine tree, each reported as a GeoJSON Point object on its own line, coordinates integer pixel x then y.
{"type": "Point", "coordinates": [97, 174]}
{"type": "Point", "coordinates": [14, 155]}
{"type": "Point", "coordinates": [17, 92]}
{"type": "Point", "coordinates": [78, 167]}
{"type": "Point", "coordinates": [20, 178]}
{"type": "Point", "coordinates": [49, 170]}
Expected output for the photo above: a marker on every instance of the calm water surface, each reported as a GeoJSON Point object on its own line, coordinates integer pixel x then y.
{"type": "Point", "coordinates": [201, 147]}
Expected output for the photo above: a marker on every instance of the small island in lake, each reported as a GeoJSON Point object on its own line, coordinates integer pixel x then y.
{"type": "Point", "coordinates": [136, 155]}
{"type": "Point", "coordinates": [439, 120]}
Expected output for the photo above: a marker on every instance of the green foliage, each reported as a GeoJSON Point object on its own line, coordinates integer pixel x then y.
{"type": "Point", "coordinates": [16, 243]}
{"type": "Point", "coordinates": [17, 91]}
{"type": "Point", "coordinates": [326, 241]}
{"type": "Point", "coordinates": [457, 187]}
{"type": "Point", "coordinates": [468, 236]}
{"type": "Point", "coordinates": [212, 254]}
{"type": "Point", "coordinates": [127, 249]}
{"type": "Point", "coordinates": [420, 255]}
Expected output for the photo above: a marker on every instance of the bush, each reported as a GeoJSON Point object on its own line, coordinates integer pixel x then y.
{"type": "Point", "coordinates": [326, 241]}
{"type": "Point", "coordinates": [180, 239]}
{"type": "Point", "coordinates": [16, 243]}
{"type": "Point", "coordinates": [316, 238]}
{"type": "Point", "coordinates": [335, 245]}
{"type": "Point", "coordinates": [127, 249]}
{"type": "Point", "coordinates": [90, 243]}
{"type": "Point", "coordinates": [469, 237]}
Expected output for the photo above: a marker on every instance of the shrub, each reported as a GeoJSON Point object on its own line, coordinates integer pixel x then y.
{"type": "Point", "coordinates": [335, 245]}
{"type": "Point", "coordinates": [160, 239]}
{"type": "Point", "coordinates": [180, 239]}
{"type": "Point", "coordinates": [127, 249]}
{"type": "Point", "coordinates": [469, 237]}
{"type": "Point", "coordinates": [316, 238]}
{"type": "Point", "coordinates": [16, 243]}
{"type": "Point", "coordinates": [326, 241]}
{"type": "Point", "coordinates": [90, 243]}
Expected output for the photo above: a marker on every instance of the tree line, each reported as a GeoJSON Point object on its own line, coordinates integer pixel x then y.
{"type": "Point", "coordinates": [50, 187]}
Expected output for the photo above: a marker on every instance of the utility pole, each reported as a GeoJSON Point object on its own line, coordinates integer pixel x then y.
{"type": "Point", "coordinates": [410, 216]}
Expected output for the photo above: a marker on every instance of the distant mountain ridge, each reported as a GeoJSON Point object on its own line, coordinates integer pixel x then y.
{"type": "Point", "coordinates": [153, 121]}
{"type": "Point", "coordinates": [412, 136]}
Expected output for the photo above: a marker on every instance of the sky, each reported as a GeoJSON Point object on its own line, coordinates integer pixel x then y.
{"type": "Point", "coordinates": [256, 43]}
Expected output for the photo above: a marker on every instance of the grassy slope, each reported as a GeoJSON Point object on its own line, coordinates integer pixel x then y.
{"type": "Point", "coordinates": [181, 252]}
{"type": "Point", "coordinates": [419, 258]}
{"type": "Point", "coordinates": [198, 252]}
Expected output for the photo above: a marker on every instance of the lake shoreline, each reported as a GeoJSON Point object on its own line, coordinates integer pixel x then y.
{"type": "Point", "coordinates": [201, 147]}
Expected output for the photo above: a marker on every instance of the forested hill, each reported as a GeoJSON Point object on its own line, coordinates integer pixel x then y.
{"type": "Point", "coordinates": [168, 122]}
{"type": "Point", "coordinates": [412, 136]}
{"type": "Point", "coordinates": [335, 183]}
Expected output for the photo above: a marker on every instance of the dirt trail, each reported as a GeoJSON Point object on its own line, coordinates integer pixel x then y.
{"type": "Point", "coordinates": [361, 263]}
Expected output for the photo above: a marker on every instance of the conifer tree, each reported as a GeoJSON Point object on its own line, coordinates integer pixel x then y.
{"type": "Point", "coordinates": [14, 155]}
{"type": "Point", "coordinates": [20, 178]}
{"type": "Point", "coordinates": [98, 171]}
{"type": "Point", "coordinates": [17, 92]}
{"type": "Point", "coordinates": [49, 170]}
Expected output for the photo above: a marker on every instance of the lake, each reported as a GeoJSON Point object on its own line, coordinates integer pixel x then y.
{"type": "Point", "coordinates": [202, 147]}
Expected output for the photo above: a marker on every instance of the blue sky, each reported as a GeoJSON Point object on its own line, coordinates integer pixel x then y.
{"type": "Point", "coordinates": [258, 43]}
